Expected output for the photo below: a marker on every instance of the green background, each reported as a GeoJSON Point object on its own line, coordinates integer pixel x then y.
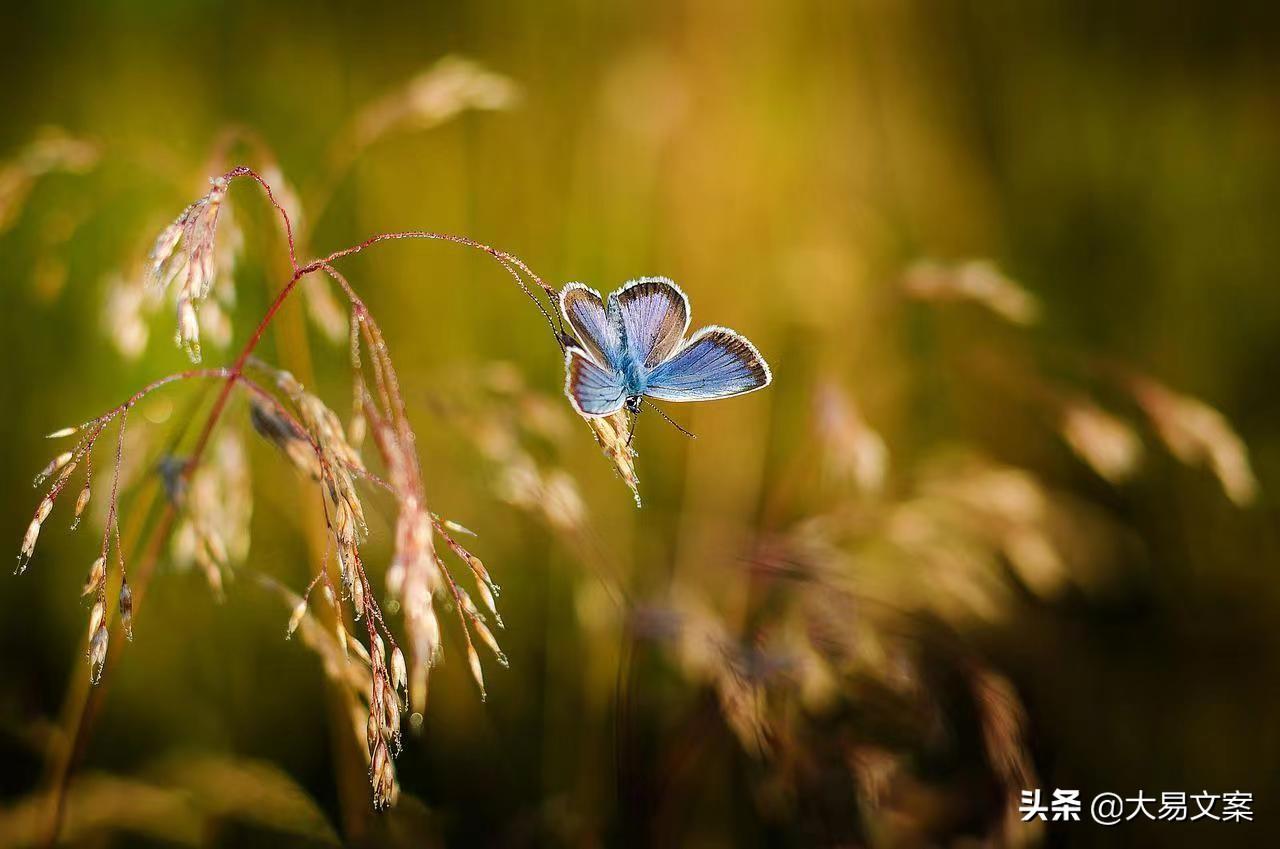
{"type": "Point", "coordinates": [784, 162]}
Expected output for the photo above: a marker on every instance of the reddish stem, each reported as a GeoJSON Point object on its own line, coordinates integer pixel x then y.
{"type": "Point", "coordinates": [234, 374]}
{"type": "Point", "coordinates": [506, 260]}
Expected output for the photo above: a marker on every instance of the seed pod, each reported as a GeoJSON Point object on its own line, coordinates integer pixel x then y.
{"type": "Point", "coordinates": [96, 617]}
{"type": "Point", "coordinates": [126, 609]}
{"type": "Point", "coordinates": [33, 533]}
{"type": "Point", "coordinates": [385, 790]}
{"type": "Point", "coordinates": [458, 529]}
{"type": "Point", "coordinates": [357, 595]}
{"type": "Point", "coordinates": [476, 672]}
{"type": "Point", "coordinates": [97, 572]}
{"type": "Point", "coordinates": [59, 434]}
{"type": "Point", "coordinates": [486, 595]}
{"type": "Point", "coordinates": [188, 335]}
{"type": "Point", "coordinates": [344, 523]}
{"type": "Point", "coordinates": [477, 567]}
{"type": "Point", "coordinates": [393, 793]}
{"type": "Point", "coordinates": [487, 636]}
{"type": "Point", "coordinates": [66, 472]}
{"type": "Point", "coordinates": [391, 708]}
{"type": "Point", "coordinates": [98, 653]}
{"type": "Point", "coordinates": [82, 501]}
{"type": "Point", "coordinates": [357, 509]}
{"type": "Point", "coordinates": [295, 618]}
{"type": "Point", "coordinates": [399, 674]}
{"type": "Point", "coordinates": [28, 544]}
{"type": "Point", "coordinates": [391, 719]}
{"type": "Point", "coordinates": [54, 464]}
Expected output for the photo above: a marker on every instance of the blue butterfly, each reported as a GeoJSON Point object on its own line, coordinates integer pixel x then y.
{"type": "Point", "coordinates": [635, 347]}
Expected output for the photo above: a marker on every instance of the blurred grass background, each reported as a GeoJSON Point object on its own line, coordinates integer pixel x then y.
{"type": "Point", "coordinates": [785, 163]}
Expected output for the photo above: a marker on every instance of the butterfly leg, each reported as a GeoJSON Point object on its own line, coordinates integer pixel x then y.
{"type": "Point", "coordinates": [635, 417]}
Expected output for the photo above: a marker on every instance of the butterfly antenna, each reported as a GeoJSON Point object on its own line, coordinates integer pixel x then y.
{"type": "Point", "coordinates": [671, 422]}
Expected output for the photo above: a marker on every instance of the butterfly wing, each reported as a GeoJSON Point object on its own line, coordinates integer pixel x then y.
{"type": "Point", "coordinates": [715, 363]}
{"type": "Point", "coordinates": [584, 309]}
{"type": "Point", "coordinates": [654, 316]}
{"type": "Point", "coordinates": [593, 389]}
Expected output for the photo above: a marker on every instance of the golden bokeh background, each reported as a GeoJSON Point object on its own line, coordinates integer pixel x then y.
{"type": "Point", "coordinates": [1012, 265]}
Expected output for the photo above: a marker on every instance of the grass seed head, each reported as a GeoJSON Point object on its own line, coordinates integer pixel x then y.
{"type": "Point", "coordinates": [82, 501]}
{"type": "Point", "coordinates": [613, 434]}
{"type": "Point", "coordinates": [97, 614]}
{"type": "Point", "coordinates": [477, 672]}
{"type": "Point", "coordinates": [126, 609]}
{"type": "Point", "coordinates": [97, 574]}
{"type": "Point", "coordinates": [1103, 441]}
{"type": "Point", "coordinates": [98, 652]}
{"type": "Point", "coordinates": [295, 618]}
{"type": "Point", "coordinates": [976, 281]}
{"type": "Point", "coordinates": [184, 254]}
{"type": "Point", "coordinates": [1197, 434]}
{"type": "Point", "coordinates": [399, 674]}
{"type": "Point", "coordinates": [187, 336]}
{"type": "Point", "coordinates": [54, 465]}
{"type": "Point", "coordinates": [33, 532]}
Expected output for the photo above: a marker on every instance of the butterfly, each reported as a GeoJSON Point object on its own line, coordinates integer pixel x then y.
{"type": "Point", "coordinates": [633, 347]}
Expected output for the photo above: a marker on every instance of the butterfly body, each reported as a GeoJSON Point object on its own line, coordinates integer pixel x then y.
{"type": "Point", "coordinates": [635, 377]}
{"type": "Point", "coordinates": [633, 346]}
